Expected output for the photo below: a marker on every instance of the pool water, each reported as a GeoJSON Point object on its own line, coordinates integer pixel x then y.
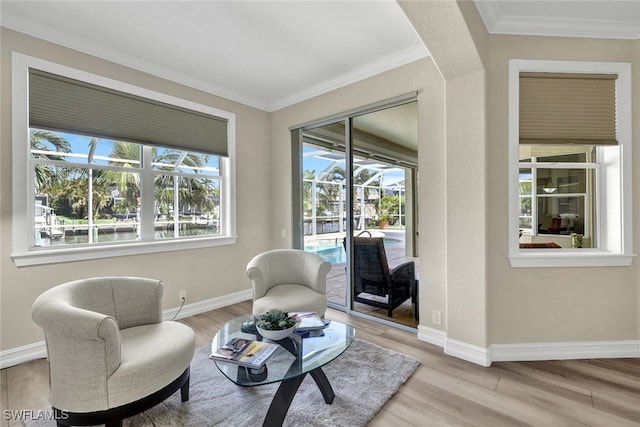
{"type": "Point", "coordinates": [334, 253]}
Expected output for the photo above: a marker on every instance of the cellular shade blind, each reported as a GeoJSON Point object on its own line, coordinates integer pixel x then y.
{"type": "Point", "coordinates": [64, 104]}
{"type": "Point", "coordinates": [557, 108]}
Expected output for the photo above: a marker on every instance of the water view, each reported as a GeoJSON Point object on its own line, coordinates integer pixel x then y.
{"type": "Point", "coordinates": [105, 235]}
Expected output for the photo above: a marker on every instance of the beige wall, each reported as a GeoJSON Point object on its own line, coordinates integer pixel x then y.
{"type": "Point", "coordinates": [203, 273]}
{"type": "Point", "coordinates": [553, 304]}
{"type": "Point", "coordinates": [483, 291]}
{"type": "Point", "coordinates": [462, 123]}
{"type": "Point", "coordinates": [458, 43]}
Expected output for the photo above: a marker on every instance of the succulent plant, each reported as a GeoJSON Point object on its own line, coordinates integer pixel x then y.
{"type": "Point", "coordinates": [275, 320]}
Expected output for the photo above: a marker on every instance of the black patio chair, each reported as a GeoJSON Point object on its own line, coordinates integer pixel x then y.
{"type": "Point", "coordinates": [372, 276]}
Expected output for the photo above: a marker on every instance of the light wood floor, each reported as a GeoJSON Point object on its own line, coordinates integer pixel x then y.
{"type": "Point", "coordinates": [444, 391]}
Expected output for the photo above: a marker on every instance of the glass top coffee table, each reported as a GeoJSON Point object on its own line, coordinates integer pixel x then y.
{"type": "Point", "coordinates": [288, 365]}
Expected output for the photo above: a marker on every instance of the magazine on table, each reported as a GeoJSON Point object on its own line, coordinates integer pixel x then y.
{"type": "Point", "coordinates": [245, 352]}
{"type": "Point", "coordinates": [308, 321]}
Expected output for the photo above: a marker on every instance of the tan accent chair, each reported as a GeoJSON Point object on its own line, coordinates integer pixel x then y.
{"type": "Point", "coordinates": [289, 280]}
{"type": "Point", "coordinates": [110, 354]}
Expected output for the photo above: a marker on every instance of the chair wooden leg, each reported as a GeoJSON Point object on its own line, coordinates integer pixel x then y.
{"type": "Point", "coordinates": [184, 390]}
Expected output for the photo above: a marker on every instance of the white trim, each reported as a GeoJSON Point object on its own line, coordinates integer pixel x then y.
{"type": "Point", "coordinates": [569, 258]}
{"type": "Point", "coordinates": [432, 336]}
{"type": "Point", "coordinates": [468, 352]}
{"type": "Point", "coordinates": [22, 182]}
{"type": "Point", "coordinates": [498, 23]}
{"type": "Point", "coordinates": [38, 350]}
{"type": "Point", "coordinates": [15, 356]}
{"type": "Point", "coordinates": [44, 256]}
{"type": "Point", "coordinates": [455, 348]}
{"type": "Point", "coordinates": [529, 351]}
{"type": "Point", "coordinates": [613, 221]}
{"type": "Point", "coordinates": [208, 305]}
{"type": "Point", "coordinates": [563, 351]}
{"type": "Point", "coordinates": [377, 67]}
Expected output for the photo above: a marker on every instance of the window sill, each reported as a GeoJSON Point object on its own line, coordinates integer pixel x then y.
{"type": "Point", "coordinates": [568, 258]}
{"type": "Point", "coordinates": [49, 256]}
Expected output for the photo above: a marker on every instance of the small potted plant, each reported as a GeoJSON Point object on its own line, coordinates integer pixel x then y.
{"type": "Point", "coordinates": [275, 325]}
{"type": "Point", "coordinates": [383, 222]}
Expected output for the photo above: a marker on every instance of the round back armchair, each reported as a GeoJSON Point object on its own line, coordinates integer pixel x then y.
{"type": "Point", "coordinates": [110, 354]}
{"type": "Point", "coordinates": [290, 280]}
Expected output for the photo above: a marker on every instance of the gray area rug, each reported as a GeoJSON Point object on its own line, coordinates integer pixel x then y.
{"type": "Point", "coordinates": [363, 379]}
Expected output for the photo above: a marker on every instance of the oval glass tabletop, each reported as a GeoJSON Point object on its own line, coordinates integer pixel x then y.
{"type": "Point", "coordinates": [296, 355]}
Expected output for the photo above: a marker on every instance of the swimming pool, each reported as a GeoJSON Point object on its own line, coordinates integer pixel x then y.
{"type": "Point", "coordinates": [334, 252]}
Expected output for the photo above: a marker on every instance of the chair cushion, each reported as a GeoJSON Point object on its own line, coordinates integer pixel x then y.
{"type": "Point", "coordinates": [152, 357]}
{"type": "Point", "coordinates": [290, 298]}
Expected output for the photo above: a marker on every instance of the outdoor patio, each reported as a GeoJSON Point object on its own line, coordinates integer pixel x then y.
{"type": "Point", "coordinates": [395, 251]}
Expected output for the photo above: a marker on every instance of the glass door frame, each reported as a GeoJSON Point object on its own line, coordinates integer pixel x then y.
{"type": "Point", "coordinates": [297, 194]}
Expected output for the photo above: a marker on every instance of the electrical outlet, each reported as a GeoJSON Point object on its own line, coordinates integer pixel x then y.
{"type": "Point", "coordinates": [183, 296]}
{"type": "Point", "coordinates": [436, 317]}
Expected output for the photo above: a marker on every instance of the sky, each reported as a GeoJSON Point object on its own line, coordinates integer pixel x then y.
{"type": "Point", "coordinates": [81, 144]}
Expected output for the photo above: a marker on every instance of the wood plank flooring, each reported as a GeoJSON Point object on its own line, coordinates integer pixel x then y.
{"type": "Point", "coordinates": [444, 391]}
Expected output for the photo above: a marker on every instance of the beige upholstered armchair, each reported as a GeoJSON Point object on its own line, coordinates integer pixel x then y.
{"type": "Point", "coordinates": [289, 280]}
{"type": "Point", "coordinates": [110, 354]}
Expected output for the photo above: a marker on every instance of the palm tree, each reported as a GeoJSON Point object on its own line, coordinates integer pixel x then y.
{"type": "Point", "coordinates": [329, 189]}
{"type": "Point", "coordinates": [127, 183]}
{"type": "Point", "coordinates": [308, 179]}
{"type": "Point", "coordinates": [43, 145]}
{"type": "Point", "coordinates": [194, 193]}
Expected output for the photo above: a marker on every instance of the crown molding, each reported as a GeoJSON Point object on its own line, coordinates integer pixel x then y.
{"type": "Point", "coordinates": [498, 23]}
{"type": "Point", "coordinates": [377, 67]}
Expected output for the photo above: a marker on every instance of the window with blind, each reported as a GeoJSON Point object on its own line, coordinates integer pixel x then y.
{"type": "Point", "coordinates": [569, 151]}
{"type": "Point", "coordinates": [102, 168]}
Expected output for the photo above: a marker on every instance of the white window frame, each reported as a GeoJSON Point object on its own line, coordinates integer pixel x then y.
{"type": "Point", "coordinates": [535, 196]}
{"type": "Point", "coordinates": [23, 254]}
{"type": "Point", "coordinates": [613, 194]}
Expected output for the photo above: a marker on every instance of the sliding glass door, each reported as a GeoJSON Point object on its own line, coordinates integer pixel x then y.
{"type": "Point", "coordinates": [356, 182]}
{"type": "Point", "coordinates": [324, 203]}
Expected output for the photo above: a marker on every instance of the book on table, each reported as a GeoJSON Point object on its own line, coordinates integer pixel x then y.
{"type": "Point", "coordinates": [245, 352]}
{"type": "Point", "coordinates": [308, 321]}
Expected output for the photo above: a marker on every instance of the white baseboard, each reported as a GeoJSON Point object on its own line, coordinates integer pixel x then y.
{"type": "Point", "coordinates": [432, 336]}
{"type": "Point", "coordinates": [38, 350]}
{"type": "Point", "coordinates": [528, 352]}
{"type": "Point", "coordinates": [208, 305]}
{"type": "Point", "coordinates": [15, 356]}
{"type": "Point", "coordinates": [563, 351]}
{"type": "Point", "coordinates": [468, 352]}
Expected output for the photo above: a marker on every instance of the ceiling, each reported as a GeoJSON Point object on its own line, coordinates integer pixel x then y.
{"type": "Point", "coordinates": [267, 54]}
{"type": "Point", "coordinates": [271, 54]}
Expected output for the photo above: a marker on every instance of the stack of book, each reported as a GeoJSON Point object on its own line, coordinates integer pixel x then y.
{"type": "Point", "coordinates": [245, 352]}
{"type": "Point", "coordinates": [309, 324]}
